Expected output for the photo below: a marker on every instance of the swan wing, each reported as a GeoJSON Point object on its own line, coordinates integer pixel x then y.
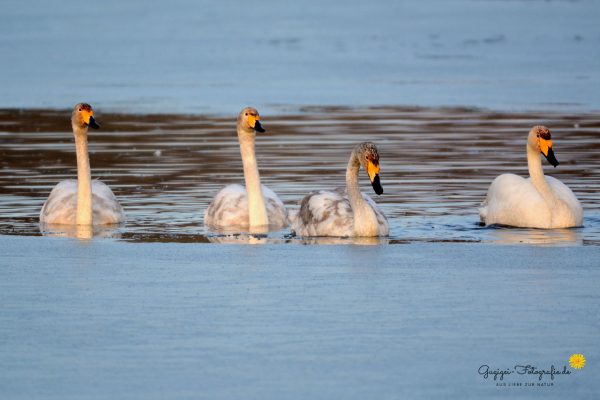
{"type": "Point", "coordinates": [228, 208]}
{"type": "Point", "coordinates": [572, 214]}
{"type": "Point", "coordinates": [278, 215]}
{"type": "Point", "coordinates": [324, 213]}
{"type": "Point", "coordinates": [105, 206]}
{"type": "Point", "coordinates": [61, 205]}
{"type": "Point", "coordinates": [382, 221]}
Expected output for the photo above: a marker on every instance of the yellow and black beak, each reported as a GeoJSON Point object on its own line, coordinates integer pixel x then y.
{"type": "Point", "coordinates": [373, 171]}
{"type": "Point", "coordinates": [546, 149]}
{"type": "Point", "coordinates": [93, 124]}
{"type": "Point", "coordinates": [254, 122]}
{"type": "Point", "coordinates": [88, 118]}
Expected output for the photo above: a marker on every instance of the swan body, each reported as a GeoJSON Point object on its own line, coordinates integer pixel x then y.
{"type": "Point", "coordinates": [61, 206]}
{"type": "Point", "coordinates": [254, 208]}
{"type": "Point", "coordinates": [345, 213]}
{"type": "Point", "coordinates": [230, 208]}
{"type": "Point", "coordinates": [536, 202]}
{"type": "Point", "coordinates": [82, 201]}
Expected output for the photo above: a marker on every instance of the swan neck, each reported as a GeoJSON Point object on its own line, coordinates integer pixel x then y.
{"type": "Point", "coordinates": [352, 187]}
{"type": "Point", "coordinates": [84, 179]}
{"type": "Point", "coordinates": [536, 172]}
{"type": "Point", "coordinates": [257, 210]}
{"type": "Point", "coordinates": [365, 220]}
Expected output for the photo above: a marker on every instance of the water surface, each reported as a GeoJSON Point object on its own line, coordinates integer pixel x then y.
{"type": "Point", "coordinates": [188, 56]}
{"type": "Point", "coordinates": [106, 319]}
{"type": "Point", "coordinates": [436, 166]}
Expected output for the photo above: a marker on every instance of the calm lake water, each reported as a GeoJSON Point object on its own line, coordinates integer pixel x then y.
{"type": "Point", "coordinates": [106, 319]}
{"type": "Point", "coordinates": [187, 56]}
{"type": "Point", "coordinates": [147, 311]}
{"type": "Point", "coordinates": [436, 167]}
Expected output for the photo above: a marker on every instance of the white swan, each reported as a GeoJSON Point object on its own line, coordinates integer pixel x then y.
{"type": "Point", "coordinates": [81, 201]}
{"type": "Point", "coordinates": [350, 213]}
{"type": "Point", "coordinates": [256, 207]}
{"type": "Point", "coordinates": [538, 202]}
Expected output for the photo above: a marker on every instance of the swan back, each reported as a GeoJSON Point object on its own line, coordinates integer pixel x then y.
{"type": "Point", "coordinates": [61, 205]}
{"type": "Point", "coordinates": [229, 209]}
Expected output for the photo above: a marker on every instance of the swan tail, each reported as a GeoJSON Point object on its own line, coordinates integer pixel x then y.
{"type": "Point", "coordinates": [483, 211]}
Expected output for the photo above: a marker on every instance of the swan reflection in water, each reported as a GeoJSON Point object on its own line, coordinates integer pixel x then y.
{"type": "Point", "coordinates": [283, 237]}
{"type": "Point", "coordinates": [507, 235]}
{"type": "Point", "coordinates": [82, 232]}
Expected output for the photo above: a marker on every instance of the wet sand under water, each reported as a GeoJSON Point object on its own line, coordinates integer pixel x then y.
{"type": "Point", "coordinates": [437, 164]}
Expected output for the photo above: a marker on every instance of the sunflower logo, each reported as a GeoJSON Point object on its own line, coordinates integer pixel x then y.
{"type": "Point", "coordinates": [577, 361]}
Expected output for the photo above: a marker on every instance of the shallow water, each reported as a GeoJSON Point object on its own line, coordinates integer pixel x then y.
{"type": "Point", "coordinates": [436, 165]}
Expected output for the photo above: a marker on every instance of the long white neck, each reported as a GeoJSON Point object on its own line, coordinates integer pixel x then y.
{"type": "Point", "coordinates": [259, 221]}
{"type": "Point", "coordinates": [365, 220]}
{"type": "Point", "coordinates": [536, 172]}
{"type": "Point", "coordinates": [84, 178]}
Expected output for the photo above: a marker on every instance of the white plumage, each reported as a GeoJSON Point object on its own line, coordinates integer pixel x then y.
{"type": "Point", "coordinates": [536, 202]}
{"type": "Point", "coordinates": [61, 205]}
{"type": "Point", "coordinates": [229, 209]}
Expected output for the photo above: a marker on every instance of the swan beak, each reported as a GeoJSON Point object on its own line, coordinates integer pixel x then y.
{"type": "Point", "coordinates": [373, 171]}
{"type": "Point", "coordinates": [546, 149]}
{"type": "Point", "coordinates": [254, 122]}
{"type": "Point", "coordinates": [258, 127]}
{"type": "Point", "coordinates": [93, 124]}
{"type": "Point", "coordinates": [550, 157]}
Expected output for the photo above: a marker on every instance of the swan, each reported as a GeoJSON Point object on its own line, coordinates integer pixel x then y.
{"type": "Point", "coordinates": [255, 208]}
{"type": "Point", "coordinates": [345, 214]}
{"type": "Point", "coordinates": [82, 201]}
{"type": "Point", "coordinates": [537, 202]}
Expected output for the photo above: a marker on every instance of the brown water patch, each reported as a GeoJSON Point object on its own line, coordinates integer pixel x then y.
{"type": "Point", "coordinates": [165, 169]}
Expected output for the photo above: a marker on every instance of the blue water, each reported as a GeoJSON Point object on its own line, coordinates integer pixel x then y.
{"type": "Point", "coordinates": [105, 319]}
{"type": "Point", "coordinates": [214, 57]}
{"type": "Point", "coordinates": [109, 319]}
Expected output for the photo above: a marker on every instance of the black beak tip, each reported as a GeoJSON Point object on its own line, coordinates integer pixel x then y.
{"type": "Point", "coordinates": [258, 127]}
{"type": "Point", "coordinates": [377, 185]}
{"type": "Point", "coordinates": [552, 158]}
{"type": "Point", "coordinates": [93, 124]}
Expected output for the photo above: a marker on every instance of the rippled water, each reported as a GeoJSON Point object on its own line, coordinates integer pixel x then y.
{"type": "Point", "coordinates": [165, 169]}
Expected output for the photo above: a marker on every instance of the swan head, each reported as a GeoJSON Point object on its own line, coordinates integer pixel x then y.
{"type": "Point", "coordinates": [368, 157]}
{"type": "Point", "coordinates": [249, 120]}
{"type": "Point", "coordinates": [539, 139]}
{"type": "Point", "coordinates": [83, 116]}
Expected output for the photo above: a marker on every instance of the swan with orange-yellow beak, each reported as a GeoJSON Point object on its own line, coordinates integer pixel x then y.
{"type": "Point", "coordinates": [348, 213]}
{"type": "Point", "coordinates": [254, 208]}
{"type": "Point", "coordinates": [82, 201]}
{"type": "Point", "coordinates": [537, 202]}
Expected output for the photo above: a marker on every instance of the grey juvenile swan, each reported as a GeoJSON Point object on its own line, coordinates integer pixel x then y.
{"type": "Point", "coordinates": [345, 214]}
